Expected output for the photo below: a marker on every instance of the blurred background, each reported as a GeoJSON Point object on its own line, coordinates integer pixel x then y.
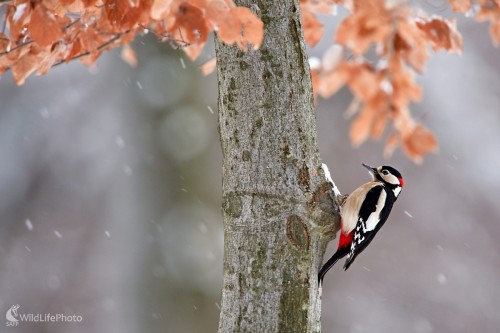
{"type": "Point", "coordinates": [110, 194]}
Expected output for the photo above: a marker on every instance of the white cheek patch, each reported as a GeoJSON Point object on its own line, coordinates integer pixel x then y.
{"type": "Point", "coordinates": [391, 179]}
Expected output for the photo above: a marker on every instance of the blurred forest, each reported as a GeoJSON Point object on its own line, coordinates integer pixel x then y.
{"type": "Point", "coordinates": [110, 195]}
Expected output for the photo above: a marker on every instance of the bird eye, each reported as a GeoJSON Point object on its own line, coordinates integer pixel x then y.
{"type": "Point", "coordinates": [385, 172]}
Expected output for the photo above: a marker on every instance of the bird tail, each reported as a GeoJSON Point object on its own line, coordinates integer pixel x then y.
{"type": "Point", "coordinates": [341, 252]}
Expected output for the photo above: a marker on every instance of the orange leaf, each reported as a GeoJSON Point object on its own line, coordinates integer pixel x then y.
{"type": "Point", "coordinates": [323, 7]}
{"type": "Point", "coordinates": [48, 58]}
{"type": "Point", "coordinates": [442, 34]}
{"type": "Point", "coordinates": [495, 31]}
{"type": "Point", "coordinates": [88, 3]}
{"type": "Point", "coordinates": [461, 6]}
{"type": "Point", "coordinates": [128, 55]}
{"type": "Point", "coordinates": [491, 14]}
{"type": "Point", "coordinates": [18, 18]}
{"type": "Point", "coordinates": [90, 40]}
{"type": "Point", "coordinates": [116, 10]}
{"type": "Point", "coordinates": [361, 126]}
{"type": "Point", "coordinates": [252, 28]}
{"type": "Point", "coordinates": [313, 29]}
{"type": "Point", "coordinates": [363, 81]}
{"type": "Point", "coordinates": [189, 24]}
{"type": "Point", "coordinates": [23, 67]}
{"type": "Point", "coordinates": [330, 82]}
{"type": "Point", "coordinates": [380, 103]}
{"type": "Point", "coordinates": [371, 23]}
{"type": "Point", "coordinates": [209, 66]}
{"type": "Point", "coordinates": [76, 49]}
{"type": "Point", "coordinates": [410, 42]}
{"type": "Point", "coordinates": [393, 141]}
{"type": "Point", "coordinates": [403, 84]}
{"type": "Point", "coordinates": [43, 27]}
{"type": "Point", "coordinates": [419, 142]}
{"type": "Point", "coordinates": [160, 8]}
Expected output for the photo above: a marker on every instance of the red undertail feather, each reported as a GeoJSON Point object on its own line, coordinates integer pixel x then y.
{"type": "Point", "coordinates": [345, 239]}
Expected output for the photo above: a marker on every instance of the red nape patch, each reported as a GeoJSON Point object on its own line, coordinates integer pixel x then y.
{"type": "Point", "coordinates": [345, 239]}
{"type": "Point", "coordinates": [401, 182]}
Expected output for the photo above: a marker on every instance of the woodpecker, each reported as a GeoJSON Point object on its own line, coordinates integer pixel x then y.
{"type": "Point", "coordinates": [363, 214]}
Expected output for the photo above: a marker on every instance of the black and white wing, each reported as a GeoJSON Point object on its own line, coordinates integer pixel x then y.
{"type": "Point", "coordinates": [372, 215]}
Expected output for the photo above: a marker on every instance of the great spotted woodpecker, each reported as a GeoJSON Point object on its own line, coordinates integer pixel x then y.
{"type": "Point", "coordinates": [363, 214]}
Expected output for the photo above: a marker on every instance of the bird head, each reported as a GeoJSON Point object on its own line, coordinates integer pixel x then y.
{"type": "Point", "coordinates": [386, 174]}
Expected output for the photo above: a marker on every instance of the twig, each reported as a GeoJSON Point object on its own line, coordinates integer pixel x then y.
{"type": "Point", "coordinates": [16, 47]}
{"type": "Point", "coordinates": [100, 47]}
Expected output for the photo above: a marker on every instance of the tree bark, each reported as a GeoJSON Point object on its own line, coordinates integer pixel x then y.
{"type": "Point", "coordinates": [277, 206]}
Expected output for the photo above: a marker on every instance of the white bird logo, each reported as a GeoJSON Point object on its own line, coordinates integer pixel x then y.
{"type": "Point", "coordinates": [12, 313]}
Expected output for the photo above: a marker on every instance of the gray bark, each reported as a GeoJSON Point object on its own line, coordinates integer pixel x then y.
{"type": "Point", "coordinates": [277, 206]}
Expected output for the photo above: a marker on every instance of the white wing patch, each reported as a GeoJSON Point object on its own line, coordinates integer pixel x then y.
{"type": "Point", "coordinates": [396, 191]}
{"type": "Point", "coordinates": [374, 217]}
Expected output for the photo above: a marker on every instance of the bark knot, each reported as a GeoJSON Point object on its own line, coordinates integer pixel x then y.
{"type": "Point", "coordinates": [232, 205]}
{"type": "Point", "coordinates": [298, 233]}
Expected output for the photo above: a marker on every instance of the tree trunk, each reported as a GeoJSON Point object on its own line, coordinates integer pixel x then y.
{"type": "Point", "coordinates": [277, 206]}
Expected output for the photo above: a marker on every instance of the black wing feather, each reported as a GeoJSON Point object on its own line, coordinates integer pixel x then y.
{"type": "Point", "coordinates": [362, 237]}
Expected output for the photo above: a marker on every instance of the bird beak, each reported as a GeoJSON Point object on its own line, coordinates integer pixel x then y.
{"type": "Point", "coordinates": [373, 171]}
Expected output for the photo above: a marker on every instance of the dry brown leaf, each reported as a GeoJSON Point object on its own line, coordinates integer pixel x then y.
{"type": "Point", "coordinates": [160, 8]}
{"type": "Point", "coordinates": [419, 142]}
{"type": "Point", "coordinates": [23, 67]}
{"type": "Point", "coordinates": [209, 66]}
{"type": "Point", "coordinates": [328, 83]}
{"type": "Point", "coordinates": [90, 60]}
{"type": "Point", "coordinates": [461, 6]}
{"type": "Point", "coordinates": [18, 18]}
{"type": "Point", "coordinates": [410, 43]}
{"type": "Point", "coordinates": [313, 29]}
{"type": "Point", "coordinates": [90, 39]}
{"type": "Point", "coordinates": [327, 7]}
{"type": "Point", "coordinates": [88, 3]}
{"type": "Point", "coordinates": [393, 141]}
{"type": "Point", "coordinates": [47, 58]}
{"type": "Point", "coordinates": [404, 88]}
{"type": "Point", "coordinates": [495, 32]}
{"type": "Point", "coordinates": [492, 14]}
{"type": "Point", "coordinates": [251, 26]}
{"type": "Point", "coordinates": [128, 55]}
{"type": "Point", "coordinates": [189, 25]}
{"type": "Point", "coordinates": [361, 126]}
{"type": "Point", "coordinates": [442, 34]}
{"type": "Point", "coordinates": [76, 49]}
{"type": "Point", "coordinates": [380, 103]}
{"type": "Point", "coordinates": [229, 28]}
{"type": "Point", "coordinates": [116, 10]}
{"type": "Point", "coordinates": [363, 81]}
{"type": "Point", "coordinates": [43, 27]}
{"type": "Point", "coordinates": [369, 24]}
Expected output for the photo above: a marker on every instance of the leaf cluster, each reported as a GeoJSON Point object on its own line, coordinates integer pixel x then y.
{"type": "Point", "coordinates": [39, 34]}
